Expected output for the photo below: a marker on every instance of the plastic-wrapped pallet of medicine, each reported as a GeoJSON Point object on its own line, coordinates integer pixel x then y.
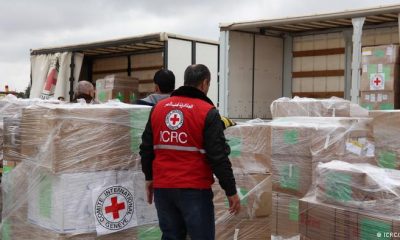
{"type": "Point", "coordinates": [352, 201]}
{"type": "Point", "coordinates": [310, 107]}
{"type": "Point", "coordinates": [299, 143]}
{"type": "Point", "coordinates": [80, 178]}
{"type": "Point", "coordinates": [386, 126]}
{"type": "Point", "coordinates": [79, 174]}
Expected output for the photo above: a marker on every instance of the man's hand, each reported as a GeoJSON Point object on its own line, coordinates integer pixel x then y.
{"type": "Point", "coordinates": [149, 191]}
{"type": "Point", "coordinates": [234, 204]}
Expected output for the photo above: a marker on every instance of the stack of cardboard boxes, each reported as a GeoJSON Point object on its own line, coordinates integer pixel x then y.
{"type": "Point", "coordinates": [125, 89]}
{"type": "Point", "coordinates": [70, 154]}
{"type": "Point", "coordinates": [249, 145]}
{"type": "Point", "coordinates": [351, 201]}
{"type": "Point", "coordinates": [297, 145]}
{"type": "Point", "coordinates": [380, 77]}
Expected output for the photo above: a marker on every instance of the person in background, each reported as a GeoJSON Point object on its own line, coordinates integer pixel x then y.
{"type": "Point", "coordinates": [85, 90]}
{"type": "Point", "coordinates": [183, 145]}
{"type": "Point", "coordinates": [164, 81]}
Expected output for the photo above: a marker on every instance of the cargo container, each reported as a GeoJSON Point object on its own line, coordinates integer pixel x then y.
{"type": "Point", "coordinates": [308, 56]}
{"type": "Point", "coordinates": [139, 57]}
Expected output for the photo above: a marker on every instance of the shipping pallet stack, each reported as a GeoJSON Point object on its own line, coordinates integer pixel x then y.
{"type": "Point", "coordinates": [301, 149]}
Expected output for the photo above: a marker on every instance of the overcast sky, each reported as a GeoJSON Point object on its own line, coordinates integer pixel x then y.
{"type": "Point", "coordinates": [27, 24]}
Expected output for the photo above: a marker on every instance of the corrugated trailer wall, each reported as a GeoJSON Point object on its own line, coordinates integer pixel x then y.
{"type": "Point", "coordinates": [318, 65]}
{"type": "Point", "coordinates": [142, 66]}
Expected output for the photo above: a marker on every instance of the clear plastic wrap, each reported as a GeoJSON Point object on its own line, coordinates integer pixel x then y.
{"type": "Point", "coordinates": [299, 143]}
{"type": "Point", "coordinates": [310, 107]}
{"type": "Point", "coordinates": [358, 186]}
{"type": "Point", "coordinates": [249, 143]}
{"type": "Point", "coordinates": [74, 157]}
{"type": "Point", "coordinates": [254, 219]}
{"type": "Point", "coordinates": [386, 126]}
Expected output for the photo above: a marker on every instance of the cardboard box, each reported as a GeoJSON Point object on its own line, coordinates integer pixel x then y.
{"type": "Point", "coordinates": [347, 184]}
{"type": "Point", "coordinates": [380, 54]}
{"type": "Point", "coordinates": [78, 138]}
{"type": "Point", "coordinates": [63, 203]}
{"type": "Point", "coordinates": [249, 145]}
{"type": "Point", "coordinates": [290, 138]}
{"type": "Point", "coordinates": [323, 221]}
{"type": "Point", "coordinates": [285, 215]}
{"type": "Point", "coordinates": [126, 89]}
{"type": "Point", "coordinates": [291, 174]}
{"type": "Point", "coordinates": [309, 107]}
{"type": "Point", "coordinates": [379, 77]}
{"type": "Point", "coordinates": [379, 100]}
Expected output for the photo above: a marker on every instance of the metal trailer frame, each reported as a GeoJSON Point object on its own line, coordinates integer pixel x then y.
{"type": "Point", "coordinates": [288, 28]}
{"type": "Point", "coordinates": [141, 44]}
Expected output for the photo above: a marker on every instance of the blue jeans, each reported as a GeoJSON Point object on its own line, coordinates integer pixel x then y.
{"type": "Point", "coordinates": [184, 212]}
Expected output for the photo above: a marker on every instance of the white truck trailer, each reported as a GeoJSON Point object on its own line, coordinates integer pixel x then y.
{"type": "Point", "coordinates": [138, 56]}
{"type": "Point", "coordinates": [309, 56]}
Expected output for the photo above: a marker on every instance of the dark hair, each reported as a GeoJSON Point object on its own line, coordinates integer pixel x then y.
{"type": "Point", "coordinates": [165, 79]}
{"type": "Point", "coordinates": [196, 74]}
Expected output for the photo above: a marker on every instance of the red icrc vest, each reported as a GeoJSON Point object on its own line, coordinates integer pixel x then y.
{"type": "Point", "coordinates": [178, 129]}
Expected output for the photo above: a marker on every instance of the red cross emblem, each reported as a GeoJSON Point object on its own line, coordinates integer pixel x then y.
{"type": "Point", "coordinates": [115, 207]}
{"type": "Point", "coordinates": [377, 81]}
{"type": "Point", "coordinates": [175, 119]}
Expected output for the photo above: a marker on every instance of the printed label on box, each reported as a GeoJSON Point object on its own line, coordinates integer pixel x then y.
{"type": "Point", "coordinates": [365, 68]}
{"type": "Point", "coordinates": [380, 68]}
{"type": "Point", "coordinates": [389, 51]}
{"type": "Point", "coordinates": [377, 81]}
{"type": "Point", "coordinates": [374, 229]}
{"type": "Point", "coordinates": [235, 144]}
{"type": "Point", "coordinates": [338, 186]}
{"type": "Point", "coordinates": [291, 137]}
{"type": "Point", "coordinates": [294, 210]}
{"type": "Point", "coordinates": [388, 159]}
{"type": "Point", "coordinates": [367, 97]}
{"type": "Point", "coordinates": [384, 97]}
{"type": "Point", "coordinates": [379, 97]}
{"type": "Point", "coordinates": [289, 176]}
{"type": "Point", "coordinates": [372, 99]}
{"type": "Point", "coordinates": [115, 209]}
{"type": "Point", "coordinates": [379, 53]}
{"type": "Point", "coordinates": [367, 53]}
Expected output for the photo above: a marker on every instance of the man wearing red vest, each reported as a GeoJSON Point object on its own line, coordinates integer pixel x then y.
{"type": "Point", "coordinates": [182, 146]}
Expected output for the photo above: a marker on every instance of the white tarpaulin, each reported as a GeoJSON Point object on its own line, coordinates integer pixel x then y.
{"type": "Point", "coordinates": [51, 73]}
